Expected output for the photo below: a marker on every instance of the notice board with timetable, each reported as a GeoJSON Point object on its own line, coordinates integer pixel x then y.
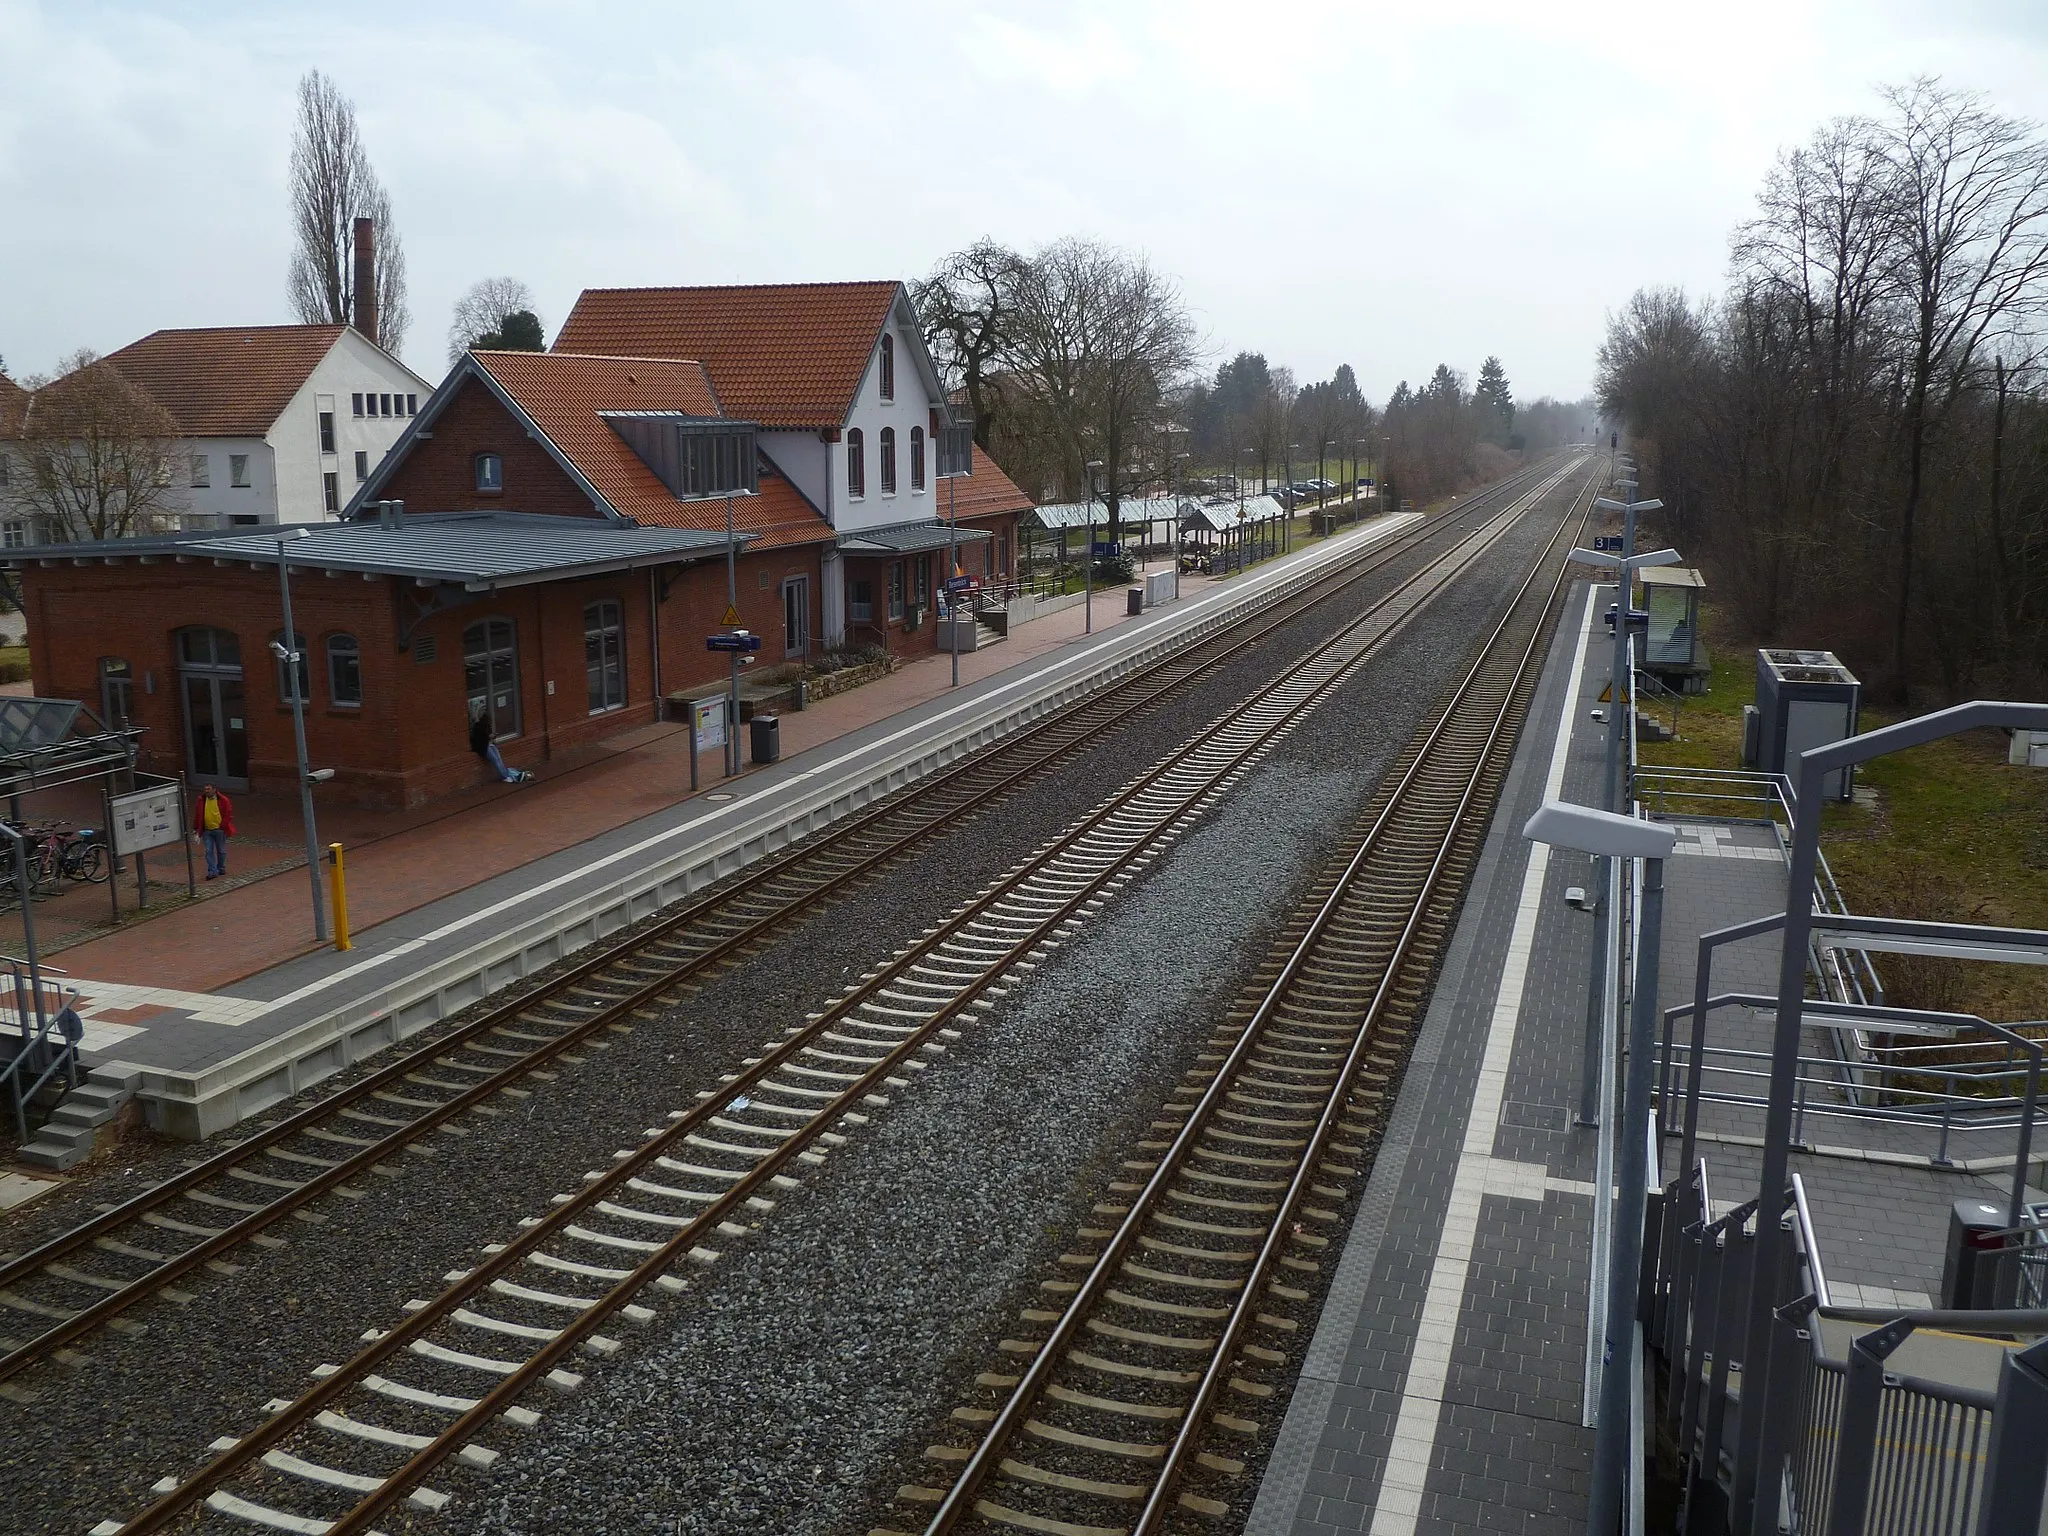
{"type": "Point", "coordinates": [147, 818]}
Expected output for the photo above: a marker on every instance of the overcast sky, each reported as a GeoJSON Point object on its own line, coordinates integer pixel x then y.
{"type": "Point", "coordinates": [1389, 185]}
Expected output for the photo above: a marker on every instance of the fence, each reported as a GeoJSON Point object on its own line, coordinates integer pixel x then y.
{"type": "Point", "coordinates": [1853, 1442]}
{"type": "Point", "coordinates": [47, 1043]}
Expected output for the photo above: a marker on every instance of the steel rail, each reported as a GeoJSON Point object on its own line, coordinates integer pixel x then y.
{"type": "Point", "coordinates": [960, 1498]}
{"type": "Point", "coordinates": [1186, 665]}
{"type": "Point", "coordinates": [398, 1485]}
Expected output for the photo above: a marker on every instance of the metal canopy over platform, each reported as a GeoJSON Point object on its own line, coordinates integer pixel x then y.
{"type": "Point", "coordinates": [45, 743]}
{"type": "Point", "coordinates": [908, 538]}
{"type": "Point", "coordinates": [476, 550]}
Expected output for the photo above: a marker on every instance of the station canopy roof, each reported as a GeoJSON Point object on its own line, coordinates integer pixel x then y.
{"type": "Point", "coordinates": [1222, 515]}
{"type": "Point", "coordinates": [479, 551]}
{"type": "Point", "coordinates": [1053, 516]}
{"type": "Point", "coordinates": [907, 538]}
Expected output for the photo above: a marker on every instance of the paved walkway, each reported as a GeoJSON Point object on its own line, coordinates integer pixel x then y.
{"type": "Point", "coordinates": [1444, 1387]}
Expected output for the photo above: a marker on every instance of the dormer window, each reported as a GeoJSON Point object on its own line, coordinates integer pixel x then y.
{"type": "Point", "coordinates": [490, 472]}
{"type": "Point", "coordinates": [888, 366]}
{"type": "Point", "coordinates": [856, 465]}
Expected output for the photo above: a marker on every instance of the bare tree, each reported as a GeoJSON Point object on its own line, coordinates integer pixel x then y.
{"type": "Point", "coordinates": [1970, 204]}
{"type": "Point", "coordinates": [333, 184]}
{"type": "Point", "coordinates": [483, 311]}
{"type": "Point", "coordinates": [100, 456]}
{"type": "Point", "coordinates": [1098, 340]}
{"type": "Point", "coordinates": [966, 307]}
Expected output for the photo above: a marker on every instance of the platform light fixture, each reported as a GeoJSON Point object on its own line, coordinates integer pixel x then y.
{"type": "Point", "coordinates": [1611, 836]}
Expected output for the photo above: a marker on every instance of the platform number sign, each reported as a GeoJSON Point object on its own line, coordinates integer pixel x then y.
{"type": "Point", "coordinates": [1607, 542]}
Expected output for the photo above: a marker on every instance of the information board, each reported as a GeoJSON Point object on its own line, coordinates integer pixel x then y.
{"type": "Point", "coordinates": [147, 818]}
{"type": "Point", "coordinates": [707, 719]}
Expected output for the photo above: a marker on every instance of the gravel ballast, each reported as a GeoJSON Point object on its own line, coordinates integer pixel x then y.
{"type": "Point", "coordinates": [827, 1337]}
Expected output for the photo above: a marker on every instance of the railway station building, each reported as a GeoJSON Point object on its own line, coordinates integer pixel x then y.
{"type": "Point", "coordinates": [536, 547]}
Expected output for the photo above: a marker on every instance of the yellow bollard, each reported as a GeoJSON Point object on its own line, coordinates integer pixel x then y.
{"type": "Point", "coordinates": [337, 895]}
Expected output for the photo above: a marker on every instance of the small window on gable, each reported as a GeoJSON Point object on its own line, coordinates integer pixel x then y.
{"type": "Point", "coordinates": [490, 472]}
{"type": "Point", "coordinates": [888, 366]}
{"type": "Point", "coordinates": [383, 405]}
{"type": "Point", "coordinates": [917, 458]}
{"type": "Point", "coordinates": [362, 466]}
{"type": "Point", "coordinates": [887, 444]}
{"type": "Point", "coordinates": [856, 464]}
{"type": "Point", "coordinates": [356, 404]}
{"type": "Point", "coordinates": [327, 431]}
{"type": "Point", "coordinates": [412, 405]}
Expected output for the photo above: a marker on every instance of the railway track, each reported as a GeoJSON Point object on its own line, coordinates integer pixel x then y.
{"type": "Point", "coordinates": [62, 1291]}
{"type": "Point", "coordinates": [1129, 1401]}
{"type": "Point", "coordinates": [436, 1384]}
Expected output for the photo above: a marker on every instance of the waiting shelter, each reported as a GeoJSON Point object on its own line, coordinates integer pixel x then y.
{"type": "Point", "coordinates": [1673, 651]}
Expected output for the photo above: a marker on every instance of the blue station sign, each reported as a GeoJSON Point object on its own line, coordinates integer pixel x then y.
{"type": "Point", "coordinates": [737, 642]}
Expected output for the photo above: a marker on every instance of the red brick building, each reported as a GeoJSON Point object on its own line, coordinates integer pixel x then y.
{"type": "Point", "coordinates": [556, 565]}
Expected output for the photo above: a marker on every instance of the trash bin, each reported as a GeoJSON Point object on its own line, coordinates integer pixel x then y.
{"type": "Point", "coordinates": [1134, 601]}
{"type": "Point", "coordinates": [767, 738]}
{"type": "Point", "coordinates": [1970, 1273]}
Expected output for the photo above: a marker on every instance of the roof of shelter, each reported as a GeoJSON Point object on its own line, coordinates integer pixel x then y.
{"type": "Point", "coordinates": [1671, 576]}
{"type": "Point", "coordinates": [1132, 509]}
{"type": "Point", "coordinates": [908, 538]}
{"type": "Point", "coordinates": [226, 381]}
{"type": "Point", "coordinates": [1222, 516]}
{"type": "Point", "coordinates": [477, 550]}
{"type": "Point", "coordinates": [787, 355]}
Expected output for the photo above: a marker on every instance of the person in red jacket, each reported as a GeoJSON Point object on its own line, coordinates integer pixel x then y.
{"type": "Point", "coordinates": [213, 818]}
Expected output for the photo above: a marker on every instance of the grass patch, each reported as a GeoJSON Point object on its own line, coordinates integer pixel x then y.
{"type": "Point", "coordinates": [1956, 834]}
{"type": "Point", "coordinates": [14, 666]}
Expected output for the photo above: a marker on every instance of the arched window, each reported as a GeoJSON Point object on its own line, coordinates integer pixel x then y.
{"type": "Point", "coordinates": [888, 366]}
{"type": "Point", "coordinates": [284, 669]}
{"type": "Point", "coordinates": [490, 472]}
{"type": "Point", "coordinates": [917, 458]}
{"type": "Point", "coordinates": [490, 675]}
{"type": "Point", "coordinates": [888, 447]}
{"type": "Point", "coordinates": [344, 672]}
{"type": "Point", "coordinates": [856, 464]}
{"type": "Point", "coordinates": [604, 655]}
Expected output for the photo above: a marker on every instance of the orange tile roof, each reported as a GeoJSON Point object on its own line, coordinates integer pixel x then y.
{"type": "Point", "coordinates": [562, 395]}
{"type": "Point", "coordinates": [230, 381]}
{"type": "Point", "coordinates": [788, 355]}
{"type": "Point", "coordinates": [985, 493]}
{"type": "Point", "coordinates": [13, 406]}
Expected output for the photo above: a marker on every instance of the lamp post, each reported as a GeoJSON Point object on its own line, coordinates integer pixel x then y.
{"type": "Point", "coordinates": [1092, 467]}
{"type": "Point", "coordinates": [292, 658]}
{"type": "Point", "coordinates": [1322, 495]}
{"type": "Point", "coordinates": [1287, 521]}
{"type": "Point", "coordinates": [1625, 566]}
{"type": "Point", "coordinates": [1173, 502]}
{"type": "Point", "coordinates": [956, 458]}
{"type": "Point", "coordinates": [1359, 459]}
{"type": "Point", "coordinates": [1386, 458]}
{"type": "Point", "coordinates": [1607, 835]}
{"type": "Point", "coordinates": [1173, 497]}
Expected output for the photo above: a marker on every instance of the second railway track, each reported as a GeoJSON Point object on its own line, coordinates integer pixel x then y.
{"type": "Point", "coordinates": [63, 1290]}
{"type": "Point", "coordinates": [435, 1384]}
{"type": "Point", "coordinates": [1130, 1400]}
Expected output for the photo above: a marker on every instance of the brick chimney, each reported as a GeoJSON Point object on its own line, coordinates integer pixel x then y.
{"type": "Point", "coordinates": [366, 279]}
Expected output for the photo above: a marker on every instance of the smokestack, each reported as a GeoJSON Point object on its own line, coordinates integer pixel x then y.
{"type": "Point", "coordinates": [366, 278]}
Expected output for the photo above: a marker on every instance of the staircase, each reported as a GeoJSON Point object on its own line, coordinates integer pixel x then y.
{"type": "Point", "coordinates": [73, 1130]}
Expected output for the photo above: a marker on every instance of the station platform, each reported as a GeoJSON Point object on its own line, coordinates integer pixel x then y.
{"type": "Point", "coordinates": [1446, 1386]}
{"type": "Point", "coordinates": [224, 1006]}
